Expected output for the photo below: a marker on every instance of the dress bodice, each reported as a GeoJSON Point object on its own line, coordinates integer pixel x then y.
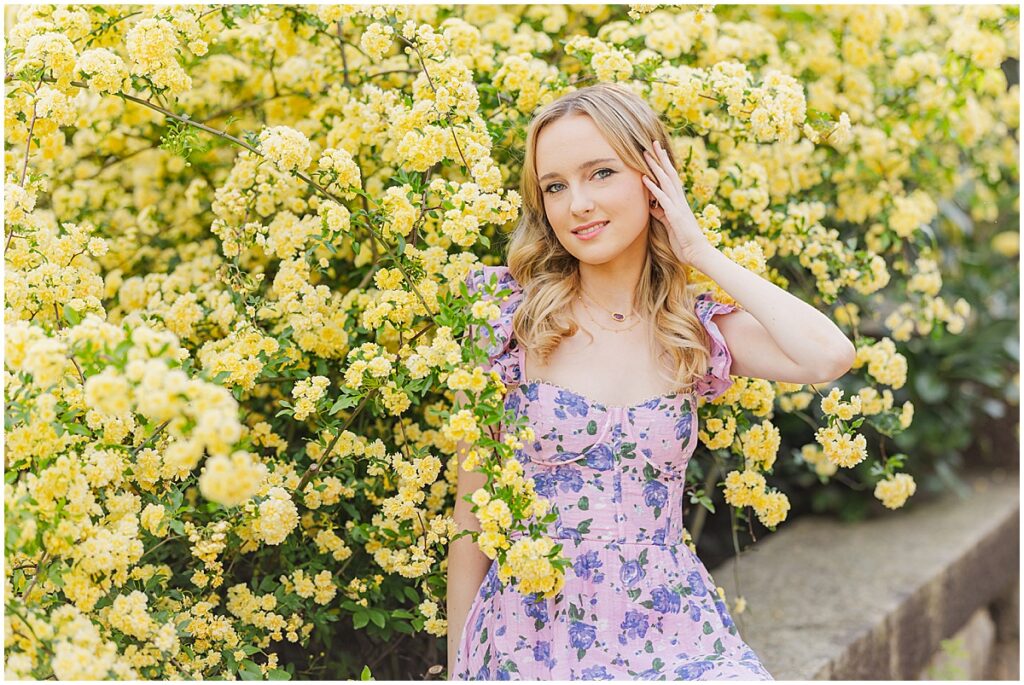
{"type": "Point", "coordinates": [611, 471]}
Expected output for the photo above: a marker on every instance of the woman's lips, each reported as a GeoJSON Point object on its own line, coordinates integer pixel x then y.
{"type": "Point", "coordinates": [593, 232]}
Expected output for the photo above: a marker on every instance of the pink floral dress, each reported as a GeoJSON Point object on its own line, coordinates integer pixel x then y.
{"type": "Point", "coordinates": [637, 603]}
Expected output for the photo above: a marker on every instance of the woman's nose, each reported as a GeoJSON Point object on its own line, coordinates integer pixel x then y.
{"type": "Point", "coordinates": [581, 203]}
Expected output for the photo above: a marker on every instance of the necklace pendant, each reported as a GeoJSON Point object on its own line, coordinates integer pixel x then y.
{"type": "Point", "coordinates": [618, 317]}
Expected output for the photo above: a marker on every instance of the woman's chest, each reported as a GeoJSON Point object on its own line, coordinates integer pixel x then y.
{"type": "Point", "coordinates": [612, 370]}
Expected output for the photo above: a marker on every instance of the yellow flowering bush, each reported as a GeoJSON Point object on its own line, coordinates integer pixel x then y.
{"type": "Point", "coordinates": [235, 317]}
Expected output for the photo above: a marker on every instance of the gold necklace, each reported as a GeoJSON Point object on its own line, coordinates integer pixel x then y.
{"type": "Point", "coordinates": [613, 330]}
{"type": "Point", "coordinates": [618, 316]}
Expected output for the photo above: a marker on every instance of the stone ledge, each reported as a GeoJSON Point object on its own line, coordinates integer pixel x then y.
{"type": "Point", "coordinates": [873, 600]}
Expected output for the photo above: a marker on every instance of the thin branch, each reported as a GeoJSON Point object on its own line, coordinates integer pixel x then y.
{"type": "Point", "coordinates": [150, 439]}
{"type": "Point", "coordinates": [35, 578]}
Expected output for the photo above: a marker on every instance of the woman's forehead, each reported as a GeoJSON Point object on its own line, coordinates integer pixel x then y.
{"type": "Point", "coordinates": [567, 143]}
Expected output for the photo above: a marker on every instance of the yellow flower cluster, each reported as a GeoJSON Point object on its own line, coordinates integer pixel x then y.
{"type": "Point", "coordinates": [528, 562]}
{"type": "Point", "coordinates": [320, 587]}
{"type": "Point", "coordinates": [328, 542]}
{"type": "Point", "coordinates": [152, 46]}
{"type": "Point", "coordinates": [612, 65]}
{"type": "Point", "coordinates": [717, 433]}
{"type": "Point", "coordinates": [434, 624]}
{"type": "Point", "coordinates": [154, 520]}
{"type": "Point", "coordinates": [286, 147]}
{"type": "Point", "coordinates": [277, 517]}
{"type": "Point", "coordinates": [748, 488]}
{"type": "Point", "coordinates": [129, 614]}
{"type": "Point", "coordinates": [462, 426]}
{"type": "Point", "coordinates": [339, 171]}
{"type": "Point", "coordinates": [376, 40]}
{"type": "Point", "coordinates": [832, 405]}
{"type": "Point", "coordinates": [815, 456]}
{"type": "Point", "coordinates": [104, 70]}
{"type": "Point", "coordinates": [894, 490]}
{"type": "Point", "coordinates": [307, 392]}
{"type": "Point", "coordinates": [885, 364]}
{"type": "Point", "coordinates": [841, 448]}
{"type": "Point", "coordinates": [231, 481]}
{"type": "Point", "coordinates": [761, 446]}
{"type": "Point", "coordinates": [258, 611]}
{"type": "Point", "coordinates": [52, 51]}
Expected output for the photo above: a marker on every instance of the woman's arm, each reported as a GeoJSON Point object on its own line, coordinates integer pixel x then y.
{"type": "Point", "coordinates": [467, 565]}
{"type": "Point", "coordinates": [779, 337]}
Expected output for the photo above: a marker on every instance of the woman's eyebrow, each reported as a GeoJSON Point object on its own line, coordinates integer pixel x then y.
{"type": "Point", "coordinates": [583, 166]}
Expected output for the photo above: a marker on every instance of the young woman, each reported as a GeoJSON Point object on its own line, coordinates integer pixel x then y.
{"type": "Point", "coordinates": [605, 349]}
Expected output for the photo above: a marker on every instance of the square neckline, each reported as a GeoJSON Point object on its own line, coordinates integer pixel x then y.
{"type": "Point", "coordinates": [600, 406]}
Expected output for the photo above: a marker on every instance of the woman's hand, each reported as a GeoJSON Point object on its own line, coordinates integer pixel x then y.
{"type": "Point", "coordinates": [684, 232]}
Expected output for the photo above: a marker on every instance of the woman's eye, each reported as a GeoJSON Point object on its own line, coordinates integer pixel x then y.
{"type": "Point", "coordinates": [599, 171]}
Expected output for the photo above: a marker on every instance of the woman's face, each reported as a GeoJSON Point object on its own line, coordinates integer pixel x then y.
{"type": "Point", "coordinates": [582, 180]}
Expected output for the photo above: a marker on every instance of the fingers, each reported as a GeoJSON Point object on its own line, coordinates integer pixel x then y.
{"type": "Point", "coordinates": [656, 191]}
{"type": "Point", "coordinates": [658, 170]}
{"type": "Point", "coordinates": [661, 165]}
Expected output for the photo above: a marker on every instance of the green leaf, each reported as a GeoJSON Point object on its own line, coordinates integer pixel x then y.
{"type": "Point", "coordinates": [360, 620]}
{"type": "Point", "coordinates": [278, 674]}
{"type": "Point", "coordinates": [248, 670]}
{"type": "Point", "coordinates": [71, 316]}
{"type": "Point", "coordinates": [365, 675]}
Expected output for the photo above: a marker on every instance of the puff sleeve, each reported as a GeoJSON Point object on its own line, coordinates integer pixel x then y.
{"type": "Point", "coordinates": [503, 352]}
{"type": "Point", "coordinates": [716, 381]}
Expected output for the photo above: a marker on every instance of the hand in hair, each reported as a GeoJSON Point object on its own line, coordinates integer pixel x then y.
{"type": "Point", "coordinates": [672, 210]}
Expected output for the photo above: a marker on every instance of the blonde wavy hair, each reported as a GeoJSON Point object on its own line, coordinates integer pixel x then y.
{"type": "Point", "coordinates": [549, 274]}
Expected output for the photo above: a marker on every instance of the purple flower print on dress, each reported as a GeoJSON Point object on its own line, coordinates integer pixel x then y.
{"type": "Point", "coordinates": [570, 404]}
{"type": "Point", "coordinates": [659, 537]}
{"type": "Point", "coordinates": [723, 614]}
{"type": "Point", "coordinates": [588, 564]}
{"type": "Point", "coordinates": [569, 478]}
{"type": "Point", "coordinates": [696, 584]}
{"type": "Point", "coordinates": [569, 533]}
{"type": "Point", "coordinates": [545, 484]}
{"type": "Point", "coordinates": [694, 670]}
{"type": "Point", "coordinates": [535, 607]}
{"type": "Point", "coordinates": [665, 600]}
{"type": "Point", "coordinates": [617, 491]}
{"type": "Point", "coordinates": [694, 611]}
{"type": "Point", "coordinates": [634, 625]}
{"type": "Point", "coordinates": [649, 674]}
{"type": "Point", "coordinates": [683, 426]}
{"type": "Point", "coordinates": [542, 652]}
{"type": "Point", "coordinates": [631, 573]}
{"type": "Point", "coordinates": [601, 458]}
{"type": "Point", "coordinates": [581, 635]}
{"type": "Point", "coordinates": [483, 674]}
{"type": "Point", "coordinates": [596, 673]}
{"type": "Point", "coordinates": [513, 402]}
{"type": "Point", "coordinates": [655, 494]}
